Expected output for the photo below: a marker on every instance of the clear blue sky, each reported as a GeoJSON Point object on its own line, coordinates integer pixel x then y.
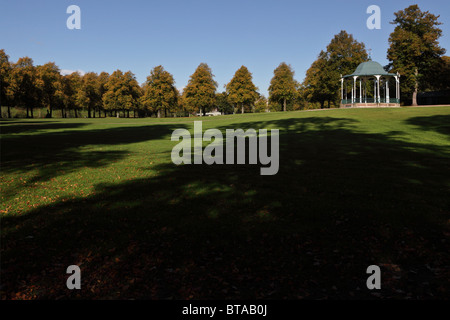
{"type": "Point", "coordinates": [139, 35]}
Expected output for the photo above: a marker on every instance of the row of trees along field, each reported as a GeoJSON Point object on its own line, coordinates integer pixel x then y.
{"type": "Point", "coordinates": [25, 88]}
{"type": "Point", "coordinates": [414, 52]}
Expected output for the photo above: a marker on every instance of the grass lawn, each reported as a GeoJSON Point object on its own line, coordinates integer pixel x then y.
{"type": "Point", "coordinates": [355, 187]}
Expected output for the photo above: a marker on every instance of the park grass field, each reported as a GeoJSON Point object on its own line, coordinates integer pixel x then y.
{"type": "Point", "coordinates": [355, 187]}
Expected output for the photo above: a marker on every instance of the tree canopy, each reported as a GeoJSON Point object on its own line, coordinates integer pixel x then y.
{"type": "Point", "coordinates": [200, 93]}
{"type": "Point", "coordinates": [160, 93]}
{"type": "Point", "coordinates": [22, 88]}
{"type": "Point", "coordinates": [47, 79]}
{"type": "Point", "coordinates": [241, 90]}
{"type": "Point", "coordinates": [122, 92]}
{"type": "Point", "coordinates": [343, 54]}
{"type": "Point", "coordinates": [67, 93]}
{"type": "Point", "coordinates": [223, 103]}
{"type": "Point", "coordinates": [88, 94]}
{"type": "Point", "coordinates": [283, 87]}
{"type": "Point", "coordinates": [414, 48]}
{"type": "Point", "coordinates": [5, 73]}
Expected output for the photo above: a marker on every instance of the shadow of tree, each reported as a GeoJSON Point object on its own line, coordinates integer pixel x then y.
{"type": "Point", "coordinates": [10, 127]}
{"type": "Point", "coordinates": [438, 123]}
{"type": "Point", "coordinates": [341, 201]}
{"type": "Point", "coordinates": [50, 152]}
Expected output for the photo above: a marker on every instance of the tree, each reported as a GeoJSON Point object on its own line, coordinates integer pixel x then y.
{"type": "Point", "coordinates": [47, 78]}
{"type": "Point", "coordinates": [88, 95]}
{"type": "Point", "coordinates": [200, 93]}
{"type": "Point", "coordinates": [22, 88]}
{"type": "Point", "coordinates": [122, 92]}
{"type": "Point", "coordinates": [283, 87]}
{"type": "Point", "coordinates": [67, 92]}
{"type": "Point", "coordinates": [223, 103]}
{"type": "Point", "coordinates": [102, 80]}
{"type": "Point", "coordinates": [342, 56]}
{"type": "Point", "coordinates": [241, 90]}
{"type": "Point", "coordinates": [160, 93]}
{"type": "Point", "coordinates": [317, 84]}
{"type": "Point", "coordinates": [414, 48]}
{"type": "Point", "coordinates": [5, 73]}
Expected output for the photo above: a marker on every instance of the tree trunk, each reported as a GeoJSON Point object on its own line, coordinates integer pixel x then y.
{"type": "Point", "coordinates": [284, 104]}
{"type": "Point", "coordinates": [31, 110]}
{"type": "Point", "coordinates": [89, 112]}
{"type": "Point", "coordinates": [242, 108]}
{"type": "Point", "coordinates": [9, 111]}
{"type": "Point", "coordinates": [28, 115]}
{"type": "Point", "coordinates": [416, 89]}
{"type": "Point", "coordinates": [201, 112]}
{"type": "Point", "coordinates": [159, 113]}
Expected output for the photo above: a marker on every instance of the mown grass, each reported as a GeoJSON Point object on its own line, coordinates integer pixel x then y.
{"type": "Point", "coordinates": [355, 187]}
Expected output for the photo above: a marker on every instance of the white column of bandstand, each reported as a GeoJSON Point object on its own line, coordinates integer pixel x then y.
{"type": "Point", "coordinates": [387, 90]}
{"type": "Point", "coordinates": [378, 89]}
{"type": "Point", "coordinates": [360, 88]}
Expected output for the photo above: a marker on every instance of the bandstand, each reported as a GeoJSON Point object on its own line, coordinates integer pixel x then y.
{"type": "Point", "coordinates": [358, 91]}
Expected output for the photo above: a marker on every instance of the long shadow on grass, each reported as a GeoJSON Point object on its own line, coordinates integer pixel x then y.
{"type": "Point", "coordinates": [341, 201]}
{"type": "Point", "coordinates": [438, 123]}
{"type": "Point", "coordinates": [10, 127]}
{"type": "Point", "coordinates": [62, 152]}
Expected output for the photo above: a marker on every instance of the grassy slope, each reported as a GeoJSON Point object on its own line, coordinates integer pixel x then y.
{"type": "Point", "coordinates": [355, 187]}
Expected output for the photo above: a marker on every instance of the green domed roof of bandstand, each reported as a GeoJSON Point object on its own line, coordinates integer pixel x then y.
{"type": "Point", "coordinates": [370, 68]}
